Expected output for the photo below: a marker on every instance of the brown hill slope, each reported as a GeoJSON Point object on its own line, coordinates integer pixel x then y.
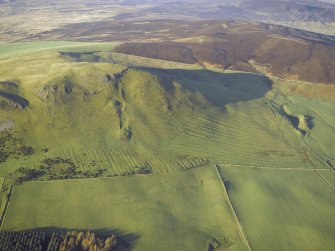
{"type": "Point", "coordinates": [274, 50]}
{"type": "Point", "coordinates": [249, 46]}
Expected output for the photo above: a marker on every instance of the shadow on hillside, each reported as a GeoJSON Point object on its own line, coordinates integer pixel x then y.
{"type": "Point", "coordinates": [129, 239]}
{"type": "Point", "coordinates": [81, 56]}
{"type": "Point", "coordinates": [16, 99]}
{"type": "Point", "coordinates": [219, 88]}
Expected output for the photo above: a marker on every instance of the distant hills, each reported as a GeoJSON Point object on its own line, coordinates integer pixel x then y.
{"type": "Point", "coordinates": [25, 19]}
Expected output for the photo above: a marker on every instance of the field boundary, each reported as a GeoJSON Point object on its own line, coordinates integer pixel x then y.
{"type": "Point", "coordinates": [316, 170]}
{"type": "Point", "coordinates": [325, 180]}
{"type": "Point", "coordinates": [2, 182]}
{"type": "Point", "coordinates": [3, 213]}
{"type": "Point", "coordinates": [237, 221]}
{"type": "Point", "coordinates": [273, 168]}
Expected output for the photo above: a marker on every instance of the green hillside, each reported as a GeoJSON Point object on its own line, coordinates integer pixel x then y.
{"type": "Point", "coordinates": [119, 118]}
{"type": "Point", "coordinates": [77, 119]}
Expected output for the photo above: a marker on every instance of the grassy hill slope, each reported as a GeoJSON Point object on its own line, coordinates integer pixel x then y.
{"type": "Point", "coordinates": [109, 116]}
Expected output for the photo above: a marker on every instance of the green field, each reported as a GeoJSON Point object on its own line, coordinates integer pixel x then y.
{"type": "Point", "coordinates": [283, 210]}
{"type": "Point", "coordinates": [329, 178]}
{"type": "Point", "coordinates": [8, 50]}
{"type": "Point", "coordinates": [179, 211]}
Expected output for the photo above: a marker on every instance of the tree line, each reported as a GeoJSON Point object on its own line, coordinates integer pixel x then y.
{"type": "Point", "coordinates": [67, 241]}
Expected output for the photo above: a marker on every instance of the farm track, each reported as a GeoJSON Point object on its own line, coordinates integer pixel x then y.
{"type": "Point", "coordinates": [237, 221]}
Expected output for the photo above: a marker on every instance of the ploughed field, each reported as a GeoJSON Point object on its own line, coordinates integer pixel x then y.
{"type": "Point", "coordinates": [166, 155]}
